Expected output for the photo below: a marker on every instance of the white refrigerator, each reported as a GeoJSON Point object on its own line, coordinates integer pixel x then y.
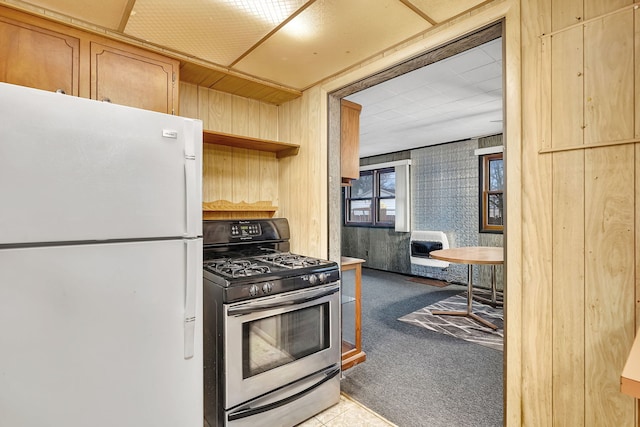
{"type": "Point", "coordinates": [100, 264]}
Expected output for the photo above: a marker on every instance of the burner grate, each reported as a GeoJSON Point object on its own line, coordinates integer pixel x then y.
{"type": "Point", "coordinates": [289, 260]}
{"type": "Point", "coordinates": [237, 267]}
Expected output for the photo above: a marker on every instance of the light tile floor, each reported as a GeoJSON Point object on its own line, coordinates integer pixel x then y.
{"type": "Point", "coordinates": [349, 413]}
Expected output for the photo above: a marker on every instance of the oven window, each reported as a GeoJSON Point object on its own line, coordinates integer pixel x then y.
{"type": "Point", "coordinates": [275, 341]}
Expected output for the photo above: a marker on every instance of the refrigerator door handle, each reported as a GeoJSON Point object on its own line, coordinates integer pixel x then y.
{"type": "Point", "coordinates": [190, 299]}
{"type": "Point", "coordinates": [192, 190]}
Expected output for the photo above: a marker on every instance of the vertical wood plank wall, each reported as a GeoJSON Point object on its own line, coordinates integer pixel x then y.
{"type": "Point", "coordinates": [297, 185]}
{"type": "Point", "coordinates": [536, 300]}
{"type": "Point", "coordinates": [303, 181]}
{"type": "Point", "coordinates": [234, 174]}
{"type": "Point", "coordinates": [579, 210]}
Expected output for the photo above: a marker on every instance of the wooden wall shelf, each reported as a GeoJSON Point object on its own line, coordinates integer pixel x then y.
{"type": "Point", "coordinates": [224, 209]}
{"type": "Point", "coordinates": [282, 149]}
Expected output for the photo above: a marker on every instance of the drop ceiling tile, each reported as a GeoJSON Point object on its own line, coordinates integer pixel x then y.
{"type": "Point", "coordinates": [372, 96]}
{"type": "Point", "coordinates": [484, 73]}
{"type": "Point", "coordinates": [419, 93]}
{"type": "Point", "coordinates": [377, 127]}
{"type": "Point", "coordinates": [407, 108]}
{"type": "Point", "coordinates": [324, 40]}
{"type": "Point", "coordinates": [402, 85]}
{"type": "Point", "coordinates": [428, 112]}
{"type": "Point", "coordinates": [218, 31]}
{"type": "Point", "coordinates": [479, 101]}
{"type": "Point", "coordinates": [447, 79]}
{"type": "Point", "coordinates": [430, 72]}
{"type": "Point", "coordinates": [441, 10]}
{"type": "Point", "coordinates": [434, 101]}
{"type": "Point", "coordinates": [389, 115]}
{"type": "Point", "coordinates": [397, 102]}
{"type": "Point", "coordinates": [106, 14]}
{"type": "Point", "coordinates": [490, 85]}
{"type": "Point", "coordinates": [494, 49]}
{"type": "Point", "coordinates": [449, 107]}
{"type": "Point", "coordinates": [469, 60]}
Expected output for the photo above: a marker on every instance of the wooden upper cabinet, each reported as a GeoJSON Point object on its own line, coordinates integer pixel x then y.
{"type": "Point", "coordinates": [125, 77]}
{"type": "Point", "coordinates": [349, 140]}
{"type": "Point", "coordinates": [38, 58]}
{"type": "Point", "coordinates": [44, 54]}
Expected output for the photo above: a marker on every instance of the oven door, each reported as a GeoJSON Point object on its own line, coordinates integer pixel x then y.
{"type": "Point", "coordinates": [273, 341]}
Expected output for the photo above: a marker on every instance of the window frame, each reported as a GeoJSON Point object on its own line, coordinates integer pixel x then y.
{"type": "Point", "coordinates": [375, 201]}
{"type": "Point", "coordinates": [486, 192]}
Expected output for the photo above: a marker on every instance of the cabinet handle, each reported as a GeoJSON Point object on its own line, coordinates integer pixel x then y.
{"type": "Point", "coordinates": [61, 91]}
{"type": "Point", "coordinates": [105, 99]}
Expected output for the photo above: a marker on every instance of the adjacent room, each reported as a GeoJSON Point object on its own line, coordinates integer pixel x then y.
{"type": "Point", "coordinates": [436, 130]}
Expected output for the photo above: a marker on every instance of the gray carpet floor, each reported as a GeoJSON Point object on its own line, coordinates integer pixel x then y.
{"type": "Point", "coordinates": [415, 377]}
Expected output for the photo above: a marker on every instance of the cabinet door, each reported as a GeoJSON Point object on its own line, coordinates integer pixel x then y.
{"type": "Point", "coordinates": [350, 140]}
{"type": "Point", "coordinates": [38, 58]}
{"type": "Point", "coordinates": [128, 78]}
{"type": "Point", "coordinates": [351, 282]}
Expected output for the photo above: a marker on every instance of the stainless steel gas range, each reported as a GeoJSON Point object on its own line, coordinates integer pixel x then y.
{"type": "Point", "coordinates": [271, 327]}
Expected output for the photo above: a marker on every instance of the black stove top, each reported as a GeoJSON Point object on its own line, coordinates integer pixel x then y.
{"type": "Point", "coordinates": [235, 265]}
{"type": "Point", "coordinates": [236, 268]}
{"type": "Point", "coordinates": [251, 258]}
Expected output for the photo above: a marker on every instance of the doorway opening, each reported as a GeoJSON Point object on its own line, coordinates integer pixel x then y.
{"type": "Point", "coordinates": [452, 48]}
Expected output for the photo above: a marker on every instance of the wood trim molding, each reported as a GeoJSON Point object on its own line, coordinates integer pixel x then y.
{"type": "Point", "coordinates": [596, 18]}
{"type": "Point", "coordinates": [588, 146]}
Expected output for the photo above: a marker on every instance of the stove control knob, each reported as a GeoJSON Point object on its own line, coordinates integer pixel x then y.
{"type": "Point", "coordinates": [313, 279]}
{"type": "Point", "coordinates": [323, 277]}
{"type": "Point", "coordinates": [253, 290]}
{"type": "Point", "coordinates": [267, 287]}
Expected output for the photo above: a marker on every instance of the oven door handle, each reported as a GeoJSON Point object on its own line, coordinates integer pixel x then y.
{"type": "Point", "coordinates": [270, 406]}
{"type": "Point", "coordinates": [254, 307]}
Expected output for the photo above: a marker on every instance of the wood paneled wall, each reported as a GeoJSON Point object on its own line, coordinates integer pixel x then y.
{"type": "Point", "coordinates": [580, 124]}
{"type": "Point", "coordinates": [303, 179]}
{"type": "Point", "coordinates": [234, 174]}
{"type": "Point", "coordinates": [297, 185]}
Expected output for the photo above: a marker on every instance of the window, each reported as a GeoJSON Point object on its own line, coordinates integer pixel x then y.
{"type": "Point", "coordinates": [371, 199]}
{"type": "Point", "coordinates": [492, 193]}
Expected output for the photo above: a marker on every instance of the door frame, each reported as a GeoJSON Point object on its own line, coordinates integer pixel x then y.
{"type": "Point", "coordinates": [433, 43]}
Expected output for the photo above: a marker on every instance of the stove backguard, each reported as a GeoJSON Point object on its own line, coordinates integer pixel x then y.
{"type": "Point", "coordinates": [238, 234]}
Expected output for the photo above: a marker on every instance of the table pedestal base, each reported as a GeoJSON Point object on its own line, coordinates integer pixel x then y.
{"type": "Point", "coordinates": [497, 299]}
{"type": "Point", "coordinates": [469, 313]}
{"type": "Point", "coordinates": [496, 302]}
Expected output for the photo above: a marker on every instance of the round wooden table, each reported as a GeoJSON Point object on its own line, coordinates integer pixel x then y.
{"type": "Point", "coordinates": [472, 255]}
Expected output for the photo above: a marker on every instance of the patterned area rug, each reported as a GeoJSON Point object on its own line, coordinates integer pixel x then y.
{"type": "Point", "coordinates": [461, 326]}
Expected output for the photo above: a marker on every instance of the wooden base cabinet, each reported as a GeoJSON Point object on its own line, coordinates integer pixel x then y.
{"type": "Point", "coordinates": [352, 353]}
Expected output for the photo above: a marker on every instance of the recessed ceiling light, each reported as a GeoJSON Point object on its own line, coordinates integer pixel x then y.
{"type": "Point", "coordinates": [299, 27]}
